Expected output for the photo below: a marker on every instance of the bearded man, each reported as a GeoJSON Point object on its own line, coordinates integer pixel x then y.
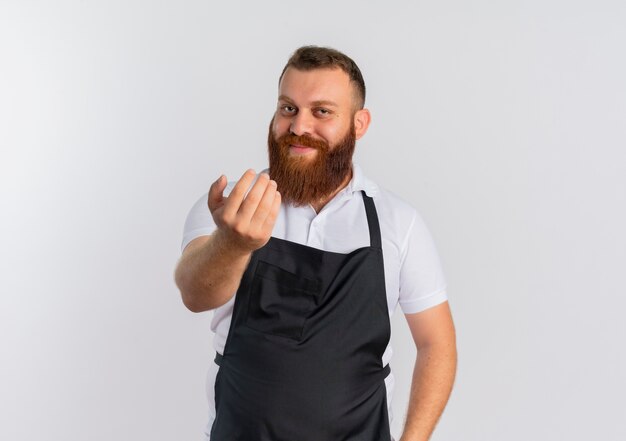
{"type": "Point", "coordinates": [303, 267]}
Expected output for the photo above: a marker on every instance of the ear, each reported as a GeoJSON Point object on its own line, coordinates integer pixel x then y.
{"type": "Point", "coordinates": [362, 120]}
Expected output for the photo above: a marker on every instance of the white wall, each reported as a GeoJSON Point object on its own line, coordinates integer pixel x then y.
{"type": "Point", "coordinates": [502, 122]}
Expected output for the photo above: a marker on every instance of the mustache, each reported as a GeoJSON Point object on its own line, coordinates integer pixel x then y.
{"type": "Point", "coordinates": [303, 140]}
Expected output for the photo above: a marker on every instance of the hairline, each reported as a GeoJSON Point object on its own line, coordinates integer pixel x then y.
{"type": "Point", "coordinates": [357, 99]}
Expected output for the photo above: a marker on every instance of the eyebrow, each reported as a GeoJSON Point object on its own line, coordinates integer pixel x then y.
{"type": "Point", "coordinates": [314, 103]}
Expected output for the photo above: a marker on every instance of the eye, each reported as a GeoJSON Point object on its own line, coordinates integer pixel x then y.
{"type": "Point", "coordinates": [323, 112]}
{"type": "Point", "coordinates": [287, 109]}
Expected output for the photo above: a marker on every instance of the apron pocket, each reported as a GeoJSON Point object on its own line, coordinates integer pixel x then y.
{"type": "Point", "coordinates": [280, 301]}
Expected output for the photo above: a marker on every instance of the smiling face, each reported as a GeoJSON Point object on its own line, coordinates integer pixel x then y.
{"type": "Point", "coordinates": [319, 103]}
{"type": "Point", "coordinates": [313, 132]}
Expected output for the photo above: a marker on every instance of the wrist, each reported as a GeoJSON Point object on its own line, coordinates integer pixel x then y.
{"type": "Point", "coordinates": [229, 246]}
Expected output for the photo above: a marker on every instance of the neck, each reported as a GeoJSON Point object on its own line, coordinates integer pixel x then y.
{"type": "Point", "coordinates": [318, 205]}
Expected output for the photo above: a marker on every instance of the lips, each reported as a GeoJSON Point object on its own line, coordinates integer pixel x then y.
{"type": "Point", "coordinates": [298, 148]}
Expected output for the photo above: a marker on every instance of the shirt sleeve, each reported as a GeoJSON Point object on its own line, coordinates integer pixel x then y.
{"type": "Point", "coordinates": [422, 281]}
{"type": "Point", "coordinates": [199, 222]}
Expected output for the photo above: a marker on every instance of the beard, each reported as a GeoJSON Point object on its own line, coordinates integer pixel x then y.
{"type": "Point", "coordinates": [302, 180]}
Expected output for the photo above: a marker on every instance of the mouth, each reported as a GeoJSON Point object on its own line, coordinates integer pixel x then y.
{"type": "Point", "coordinates": [300, 149]}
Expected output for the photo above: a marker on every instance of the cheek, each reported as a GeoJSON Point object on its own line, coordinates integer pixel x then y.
{"type": "Point", "coordinates": [333, 133]}
{"type": "Point", "coordinates": [279, 127]}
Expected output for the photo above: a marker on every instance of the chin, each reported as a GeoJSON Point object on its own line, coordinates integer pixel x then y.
{"type": "Point", "coordinates": [303, 156]}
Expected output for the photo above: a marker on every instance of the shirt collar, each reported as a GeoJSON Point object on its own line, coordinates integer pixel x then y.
{"type": "Point", "coordinates": [361, 182]}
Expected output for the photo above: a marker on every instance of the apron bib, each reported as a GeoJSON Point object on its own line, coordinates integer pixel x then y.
{"type": "Point", "coordinates": [303, 356]}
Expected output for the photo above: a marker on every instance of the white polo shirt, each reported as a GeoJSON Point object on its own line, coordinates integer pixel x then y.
{"type": "Point", "coordinates": [414, 278]}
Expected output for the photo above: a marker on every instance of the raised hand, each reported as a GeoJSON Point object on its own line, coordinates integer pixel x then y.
{"type": "Point", "coordinates": [245, 221]}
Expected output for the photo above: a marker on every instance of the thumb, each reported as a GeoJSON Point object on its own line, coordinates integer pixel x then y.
{"type": "Point", "coordinates": [216, 193]}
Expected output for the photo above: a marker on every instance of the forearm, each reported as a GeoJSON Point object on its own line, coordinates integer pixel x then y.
{"type": "Point", "coordinates": [433, 377]}
{"type": "Point", "coordinates": [210, 274]}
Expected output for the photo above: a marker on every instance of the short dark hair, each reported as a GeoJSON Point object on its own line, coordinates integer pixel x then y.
{"type": "Point", "coordinates": [315, 57]}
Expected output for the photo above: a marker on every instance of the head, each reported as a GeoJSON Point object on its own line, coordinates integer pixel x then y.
{"type": "Point", "coordinates": [319, 116]}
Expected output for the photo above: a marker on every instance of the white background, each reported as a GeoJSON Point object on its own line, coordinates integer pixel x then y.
{"type": "Point", "coordinates": [503, 123]}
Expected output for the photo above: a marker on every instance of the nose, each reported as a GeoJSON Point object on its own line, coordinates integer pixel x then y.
{"type": "Point", "coordinates": [301, 123]}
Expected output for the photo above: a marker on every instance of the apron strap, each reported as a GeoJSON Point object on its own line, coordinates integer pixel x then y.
{"type": "Point", "coordinates": [372, 221]}
{"type": "Point", "coordinates": [218, 361]}
{"type": "Point", "coordinates": [386, 371]}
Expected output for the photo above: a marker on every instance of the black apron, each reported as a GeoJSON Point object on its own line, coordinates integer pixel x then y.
{"type": "Point", "coordinates": [303, 356]}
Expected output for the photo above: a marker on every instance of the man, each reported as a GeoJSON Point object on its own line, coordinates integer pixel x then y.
{"type": "Point", "coordinates": [303, 269]}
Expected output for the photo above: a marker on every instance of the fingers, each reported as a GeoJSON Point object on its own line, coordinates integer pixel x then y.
{"type": "Point", "coordinates": [270, 220]}
{"type": "Point", "coordinates": [237, 194]}
{"type": "Point", "coordinates": [264, 206]}
{"type": "Point", "coordinates": [249, 212]}
{"type": "Point", "coordinates": [251, 203]}
{"type": "Point", "coordinates": [216, 192]}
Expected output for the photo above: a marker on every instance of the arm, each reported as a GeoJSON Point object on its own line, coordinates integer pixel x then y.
{"type": "Point", "coordinates": [435, 368]}
{"type": "Point", "coordinates": [209, 272]}
{"type": "Point", "coordinates": [210, 269]}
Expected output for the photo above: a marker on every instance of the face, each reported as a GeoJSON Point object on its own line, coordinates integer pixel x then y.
{"type": "Point", "coordinates": [318, 103]}
{"type": "Point", "coordinates": [313, 132]}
